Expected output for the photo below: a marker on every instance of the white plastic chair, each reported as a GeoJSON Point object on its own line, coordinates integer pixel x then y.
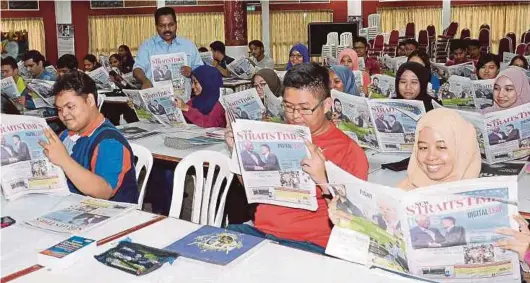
{"type": "Point", "coordinates": [145, 159]}
{"type": "Point", "coordinates": [206, 194]}
{"type": "Point", "coordinates": [101, 100]}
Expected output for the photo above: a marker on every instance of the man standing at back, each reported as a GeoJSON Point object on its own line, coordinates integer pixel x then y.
{"type": "Point", "coordinates": [165, 42]}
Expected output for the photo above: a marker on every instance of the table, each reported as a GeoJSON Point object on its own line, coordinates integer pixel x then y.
{"type": "Point", "coordinates": [237, 84]}
{"type": "Point", "coordinates": [266, 263]}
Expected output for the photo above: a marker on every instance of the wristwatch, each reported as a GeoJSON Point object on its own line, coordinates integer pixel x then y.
{"type": "Point", "coordinates": [328, 196]}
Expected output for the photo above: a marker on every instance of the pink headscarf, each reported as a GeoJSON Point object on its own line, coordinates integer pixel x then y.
{"type": "Point", "coordinates": [522, 88]}
{"type": "Point", "coordinates": [354, 58]}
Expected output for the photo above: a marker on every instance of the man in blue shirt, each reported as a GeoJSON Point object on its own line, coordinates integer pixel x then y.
{"type": "Point", "coordinates": [165, 42]}
{"type": "Point", "coordinates": [95, 157]}
{"type": "Point", "coordinates": [34, 62]}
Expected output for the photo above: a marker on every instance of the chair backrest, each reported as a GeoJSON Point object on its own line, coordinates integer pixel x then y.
{"type": "Point", "coordinates": [393, 40]}
{"type": "Point", "coordinates": [431, 30]}
{"type": "Point", "coordinates": [410, 30]}
{"type": "Point", "coordinates": [484, 37]}
{"type": "Point", "coordinates": [504, 46]}
{"type": "Point", "coordinates": [374, 20]}
{"type": "Point", "coordinates": [486, 26]}
{"type": "Point", "coordinates": [207, 188]}
{"type": "Point", "coordinates": [511, 35]}
{"type": "Point", "coordinates": [527, 37]}
{"type": "Point", "coordinates": [101, 100]}
{"type": "Point", "coordinates": [379, 42]}
{"type": "Point", "coordinates": [465, 33]}
{"type": "Point", "coordinates": [144, 160]}
{"type": "Point", "coordinates": [451, 30]}
{"type": "Point", "coordinates": [520, 49]}
{"type": "Point", "coordinates": [423, 38]}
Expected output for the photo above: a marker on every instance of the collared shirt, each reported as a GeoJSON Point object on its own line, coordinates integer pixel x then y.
{"type": "Point", "coordinates": [429, 232]}
{"type": "Point", "coordinates": [157, 46]}
{"type": "Point", "coordinates": [47, 76]}
{"type": "Point", "coordinates": [265, 63]}
{"type": "Point", "coordinates": [23, 90]}
{"type": "Point", "coordinates": [226, 61]}
{"type": "Point", "coordinates": [372, 66]}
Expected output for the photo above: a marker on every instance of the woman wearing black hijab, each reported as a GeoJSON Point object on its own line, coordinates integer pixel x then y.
{"type": "Point", "coordinates": [411, 83]}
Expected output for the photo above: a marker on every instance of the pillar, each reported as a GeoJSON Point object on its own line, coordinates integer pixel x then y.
{"type": "Point", "coordinates": [265, 27]}
{"type": "Point", "coordinates": [446, 14]}
{"type": "Point", "coordinates": [236, 28]}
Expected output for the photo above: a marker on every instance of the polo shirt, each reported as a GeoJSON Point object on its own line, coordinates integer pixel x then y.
{"type": "Point", "coordinates": [265, 63]}
{"type": "Point", "coordinates": [47, 76]}
{"type": "Point", "coordinates": [226, 61]}
{"type": "Point", "coordinates": [104, 151]}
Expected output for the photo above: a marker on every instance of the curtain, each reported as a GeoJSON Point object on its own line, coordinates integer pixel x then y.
{"type": "Point", "coordinates": [287, 28]}
{"type": "Point", "coordinates": [501, 18]}
{"type": "Point", "coordinates": [200, 28]}
{"type": "Point", "coordinates": [397, 18]}
{"type": "Point", "coordinates": [35, 28]}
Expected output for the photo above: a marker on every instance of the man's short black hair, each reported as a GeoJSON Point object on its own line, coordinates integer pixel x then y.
{"type": "Point", "coordinates": [423, 56]}
{"type": "Point", "coordinates": [218, 46]}
{"type": "Point", "coordinates": [164, 11]}
{"type": "Point", "coordinates": [510, 125]}
{"type": "Point", "coordinates": [360, 39]}
{"type": "Point", "coordinates": [473, 42]}
{"type": "Point", "coordinates": [265, 145]}
{"type": "Point", "coordinates": [10, 61]}
{"type": "Point", "coordinates": [401, 43]}
{"type": "Point", "coordinates": [35, 55]}
{"type": "Point", "coordinates": [337, 100]}
{"type": "Point", "coordinates": [412, 41]}
{"type": "Point", "coordinates": [16, 136]}
{"type": "Point", "coordinates": [76, 81]}
{"type": "Point", "coordinates": [458, 44]}
{"type": "Point", "coordinates": [312, 76]}
{"type": "Point", "coordinates": [486, 58]}
{"type": "Point", "coordinates": [256, 43]}
{"type": "Point", "coordinates": [203, 49]}
{"type": "Point", "coordinates": [391, 115]}
{"type": "Point", "coordinates": [450, 218]}
{"type": "Point", "coordinates": [67, 61]}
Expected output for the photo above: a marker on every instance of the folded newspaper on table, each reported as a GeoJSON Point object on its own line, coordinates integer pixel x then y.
{"type": "Point", "coordinates": [464, 70]}
{"type": "Point", "coordinates": [101, 78]}
{"type": "Point", "coordinates": [82, 216]}
{"type": "Point", "coordinates": [269, 156]}
{"type": "Point", "coordinates": [166, 70]}
{"type": "Point", "coordinates": [207, 58]}
{"type": "Point", "coordinates": [502, 135]}
{"type": "Point", "coordinates": [382, 124]}
{"type": "Point", "coordinates": [244, 105]}
{"type": "Point", "coordinates": [156, 105]}
{"type": "Point", "coordinates": [359, 82]}
{"type": "Point", "coordinates": [24, 168]}
{"type": "Point", "coordinates": [132, 133]}
{"type": "Point", "coordinates": [41, 92]}
{"type": "Point", "coordinates": [466, 93]}
{"type": "Point", "coordinates": [9, 88]}
{"type": "Point", "coordinates": [242, 68]}
{"type": "Point", "coordinates": [442, 232]}
{"type": "Point", "coordinates": [382, 86]}
{"type": "Point", "coordinates": [273, 105]}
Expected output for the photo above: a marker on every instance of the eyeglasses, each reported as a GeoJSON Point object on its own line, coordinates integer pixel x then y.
{"type": "Point", "coordinates": [303, 111]}
{"type": "Point", "coordinates": [260, 85]}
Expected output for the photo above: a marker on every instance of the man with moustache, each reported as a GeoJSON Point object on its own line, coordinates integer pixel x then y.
{"type": "Point", "coordinates": [165, 42]}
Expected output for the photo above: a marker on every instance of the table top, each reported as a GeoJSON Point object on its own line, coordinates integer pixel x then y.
{"type": "Point", "coordinates": [234, 82]}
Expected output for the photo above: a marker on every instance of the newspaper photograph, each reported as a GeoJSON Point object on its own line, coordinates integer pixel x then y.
{"type": "Point", "coordinates": [242, 68]}
{"type": "Point", "coordinates": [483, 93]}
{"type": "Point", "coordinates": [395, 123]}
{"type": "Point", "coordinates": [157, 105]}
{"type": "Point", "coordinates": [359, 82]}
{"type": "Point", "coordinates": [273, 106]}
{"type": "Point", "coordinates": [477, 120]}
{"type": "Point", "coordinates": [351, 114]}
{"type": "Point", "coordinates": [24, 168]}
{"type": "Point", "coordinates": [466, 70]}
{"type": "Point", "coordinates": [457, 92]}
{"type": "Point", "coordinates": [41, 92]}
{"type": "Point", "coordinates": [245, 105]}
{"type": "Point", "coordinates": [269, 156]}
{"type": "Point", "coordinates": [166, 70]}
{"type": "Point", "coordinates": [101, 77]}
{"type": "Point", "coordinates": [9, 87]}
{"type": "Point", "coordinates": [82, 216]}
{"type": "Point", "coordinates": [207, 57]}
{"type": "Point", "coordinates": [382, 86]}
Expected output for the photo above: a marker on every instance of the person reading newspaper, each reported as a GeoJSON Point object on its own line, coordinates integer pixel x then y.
{"type": "Point", "coordinates": [257, 51]}
{"type": "Point", "coordinates": [34, 62]}
{"type": "Point", "coordinates": [342, 79]}
{"type": "Point", "coordinates": [220, 59]}
{"type": "Point", "coordinates": [411, 83]}
{"type": "Point", "coordinates": [510, 90]}
{"type": "Point", "coordinates": [95, 157]}
{"type": "Point", "coordinates": [165, 42]}
{"type": "Point", "coordinates": [306, 102]}
{"type": "Point", "coordinates": [520, 242]}
{"type": "Point", "coordinates": [10, 69]}
{"type": "Point", "coordinates": [488, 66]}
{"type": "Point", "coordinates": [349, 58]}
{"type": "Point", "coordinates": [204, 108]}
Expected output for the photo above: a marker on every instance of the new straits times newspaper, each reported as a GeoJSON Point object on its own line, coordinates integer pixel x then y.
{"type": "Point", "coordinates": [386, 125]}
{"type": "Point", "coordinates": [101, 77]}
{"type": "Point", "coordinates": [9, 88]}
{"type": "Point", "coordinates": [442, 233]}
{"type": "Point", "coordinates": [242, 68]}
{"type": "Point", "coordinates": [156, 105]}
{"type": "Point", "coordinates": [24, 168]}
{"type": "Point", "coordinates": [82, 216]}
{"type": "Point", "coordinates": [502, 135]}
{"type": "Point", "coordinates": [166, 70]}
{"type": "Point", "coordinates": [464, 93]}
{"type": "Point", "coordinates": [245, 104]}
{"type": "Point", "coordinates": [269, 156]}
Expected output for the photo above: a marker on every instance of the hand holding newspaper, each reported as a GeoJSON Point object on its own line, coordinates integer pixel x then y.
{"type": "Point", "coordinates": [443, 232]}
{"type": "Point", "coordinates": [9, 87]}
{"type": "Point", "coordinates": [269, 156]}
{"type": "Point", "coordinates": [24, 168]}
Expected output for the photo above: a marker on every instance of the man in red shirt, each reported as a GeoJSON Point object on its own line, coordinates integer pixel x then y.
{"type": "Point", "coordinates": [360, 45]}
{"type": "Point", "coordinates": [306, 100]}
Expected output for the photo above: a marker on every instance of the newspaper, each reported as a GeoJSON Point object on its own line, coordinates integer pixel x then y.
{"type": "Point", "coordinates": [269, 156]}
{"type": "Point", "coordinates": [461, 92]}
{"type": "Point", "coordinates": [9, 87]}
{"type": "Point", "coordinates": [104, 61]}
{"type": "Point", "coordinates": [101, 78]}
{"type": "Point", "coordinates": [24, 168]}
{"type": "Point", "coordinates": [280, 74]}
{"type": "Point", "coordinates": [41, 92]}
{"type": "Point", "coordinates": [466, 70]}
{"type": "Point", "coordinates": [393, 64]}
{"type": "Point", "coordinates": [51, 69]}
{"type": "Point", "coordinates": [507, 57]}
{"type": "Point", "coordinates": [443, 232]}
{"type": "Point", "coordinates": [382, 86]}
{"type": "Point", "coordinates": [207, 58]}
{"type": "Point", "coordinates": [166, 70]}
{"type": "Point", "coordinates": [23, 71]}
{"type": "Point", "coordinates": [131, 81]}
{"type": "Point", "coordinates": [82, 216]}
{"type": "Point", "coordinates": [245, 104]}
{"type": "Point", "coordinates": [132, 133]}
{"type": "Point", "coordinates": [156, 105]}
{"type": "Point", "coordinates": [359, 82]}
{"type": "Point", "coordinates": [242, 68]}
{"type": "Point", "coordinates": [502, 135]}
{"type": "Point", "coordinates": [273, 105]}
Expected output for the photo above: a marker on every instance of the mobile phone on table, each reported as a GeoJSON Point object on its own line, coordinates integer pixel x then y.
{"type": "Point", "coordinates": [7, 221]}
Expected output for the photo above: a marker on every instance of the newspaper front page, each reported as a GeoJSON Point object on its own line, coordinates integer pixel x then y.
{"type": "Point", "coordinates": [245, 104]}
{"type": "Point", "coordinates": [24, 168]}
{"type": "Point", "coordinates": [393, 64]}
{"type": "Point", "coordinates": [23, 71]}
{"type": "Point", "coordinates": [207, 57]}
{"type": "Point", "coordinates": [9, 87]}
{"type": "Point", "coordinates": [273, 105]}
{"type": "Point", "coordinates": [101, 77]}
{"type": "Point", "coordinates": [41, 92]}
{"type": "Point", "coordinates": [242, 68]}
{"type": "Point", "coordinates": [82, 216]}
{"type": "Point", "coordinates": [269, 156]}
{"type": "Point", "coordinates": [156, 105]}
{"type": "Point", "coordinates": [131, 81]}
{"type": "Point", "coordinates": [166, 70]}
{"type": "Point", "coordinates": [359, 82]}
{"type": "Point", "coordinates": [104, 61]}
{"type": "Point", "coordinates": [466, 70]}
{"type": "Point", "coordinates": [382, 86]}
